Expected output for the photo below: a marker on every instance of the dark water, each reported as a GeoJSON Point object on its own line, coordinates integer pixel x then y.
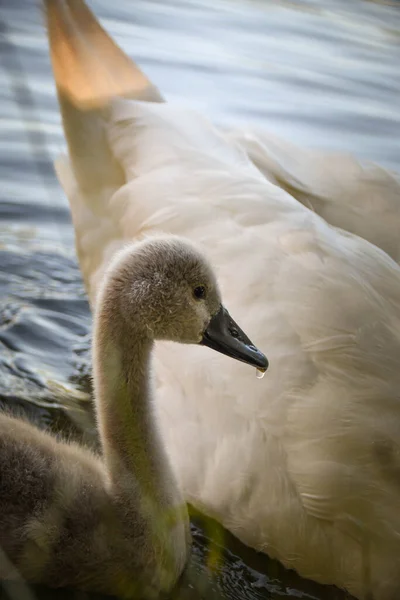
{"type": "Point", "coordinates": [323, 73]}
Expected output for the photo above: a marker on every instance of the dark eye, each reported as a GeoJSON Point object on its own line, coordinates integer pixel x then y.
{"type": "Point", "coordinates": [199, 292]}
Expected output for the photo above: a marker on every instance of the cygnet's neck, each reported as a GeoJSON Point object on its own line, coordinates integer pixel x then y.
{"type": "Point", "coordinates": [135, 459]}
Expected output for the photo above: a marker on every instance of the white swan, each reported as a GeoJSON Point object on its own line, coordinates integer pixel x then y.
{"type": "Point", "coordinates": [116, 524]}
{"type": "Point", "coordinates": [304, 465]}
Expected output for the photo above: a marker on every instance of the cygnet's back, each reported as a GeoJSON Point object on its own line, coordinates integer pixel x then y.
{"type": "Point", "coordinates": [53, 496]}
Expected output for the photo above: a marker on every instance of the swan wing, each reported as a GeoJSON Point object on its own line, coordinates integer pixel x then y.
{"type": "Point", "coordinates": [358, 196]}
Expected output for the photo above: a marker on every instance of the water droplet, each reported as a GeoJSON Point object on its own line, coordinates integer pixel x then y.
{"type": "Point", "coordinates": [260, 373]}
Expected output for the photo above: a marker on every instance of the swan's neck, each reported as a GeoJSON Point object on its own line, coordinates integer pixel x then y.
{"type": "Point", "coordinates": [136, 463]}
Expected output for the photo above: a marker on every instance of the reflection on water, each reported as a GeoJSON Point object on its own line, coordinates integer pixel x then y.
{"type": "Point", "coordinates": [321, 72]}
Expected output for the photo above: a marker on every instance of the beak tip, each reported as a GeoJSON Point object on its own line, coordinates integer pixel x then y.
{"type": "Point", "coordinates": [260, 360]}
{"type": "Point", "coordinates": [261, 363]}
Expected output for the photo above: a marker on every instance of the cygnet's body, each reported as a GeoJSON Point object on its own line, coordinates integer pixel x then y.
{"type": "Point", "coordinates": [115, 524]}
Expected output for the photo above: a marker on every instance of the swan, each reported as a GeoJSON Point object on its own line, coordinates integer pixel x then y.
{"type": "Point", "coordinates": [305, 464]}
{"type": "Point", "coordinates": [115, 524]}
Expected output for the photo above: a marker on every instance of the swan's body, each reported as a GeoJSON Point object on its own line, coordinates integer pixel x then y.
{"type": "Point", "coordinates": [304, 465]}
{"type": "Point", "coordinates": [116, 524]}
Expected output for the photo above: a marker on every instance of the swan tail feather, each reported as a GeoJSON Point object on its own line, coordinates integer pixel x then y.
{"type": "Point", "coordinates": [90, 70]}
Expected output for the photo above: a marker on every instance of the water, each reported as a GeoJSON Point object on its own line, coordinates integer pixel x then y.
{"type": "Point", "coordinates": [321, 72]}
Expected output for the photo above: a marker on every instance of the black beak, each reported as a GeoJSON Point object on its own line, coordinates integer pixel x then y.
{"type": "Point", "coordinates": [223, 335]}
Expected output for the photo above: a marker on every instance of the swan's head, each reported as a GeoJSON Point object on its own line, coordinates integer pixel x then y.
{"type": "Point", "coordinates": [164, 288]}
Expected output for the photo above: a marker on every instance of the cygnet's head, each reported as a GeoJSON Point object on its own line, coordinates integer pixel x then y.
{"type": "Point", "coordinates": [164, 288]}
